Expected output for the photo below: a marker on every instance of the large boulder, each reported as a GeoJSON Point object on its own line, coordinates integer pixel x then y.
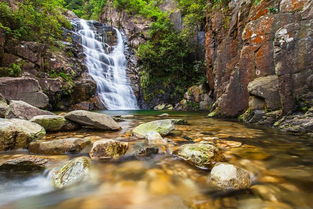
{"type": "Point", "coordinates": [162, 127]}
{"type": "Point", "coordinates": [16, 133]}
{"type": "Point", "coordinates": [26, 163]}
{"type": "Point", "coordinates": [93, 120]}
{"type": "Point", "coordinates": [25, 89]}
{"type": "Point", "coordinates": [59, 146]}
{"type": "Point", "coordinates": [70, 173]}
{"type": "Point", "coordinates": [202, 155]}
{"type": "Point", "coordinates": [23, 110]}
{"type": "Point", "coordinates": [50, 122]}
{"type": "Point", "coordinates": [229, 177]}
{"type": "Point", "coordinates": [107, 149]}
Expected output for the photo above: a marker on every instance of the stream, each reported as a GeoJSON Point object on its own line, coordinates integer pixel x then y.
{"type": "Point", "coordinates": [282, 165]}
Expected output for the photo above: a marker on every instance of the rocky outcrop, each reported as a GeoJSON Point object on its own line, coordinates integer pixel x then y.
{"type": "Point", "coordinates": [24, 89]}
{"type": "Point", "coordinates": [50, 122]}
{"type": "Point", "coordinates": [93, 120]}
{"type": "Point", "coordinates": [259, 56]}
{"type": "Point", "coordinates": [59, 146]}
{"type": "Point", "coordinates": [229, 177]}
{"type": "Point", "coordinates": [16, 133]}
{"type": "Point", "coordinates": [71, 173]}
{"type": "Point", "coordinates": [107, 149]}
{"type": "Point", "coordinates": [202, 155]}
{"type": "Point", "coordinates": [163, 127]}
{"type": "Point", "coordinates": [23, 110]}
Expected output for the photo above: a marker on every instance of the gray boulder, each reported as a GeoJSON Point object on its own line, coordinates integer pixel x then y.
{"type": "Point", "coordinates": [26, 163]}
{"type": "Point", "coordinates": [50, 122]}
{"type": "Point", "coordinates": [23, 110]}
{"type": "Point", "coordinates": [93, 120]}
{"type": "Point", "coordinates": [3, 106]}
{"type": "Point", "coordinates": [163, 127]}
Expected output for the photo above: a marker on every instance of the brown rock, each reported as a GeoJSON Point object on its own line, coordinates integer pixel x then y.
{"type": "Point", "coordinates": [108, 149]}
{"type": "Point", "coordinates": [24, 163]}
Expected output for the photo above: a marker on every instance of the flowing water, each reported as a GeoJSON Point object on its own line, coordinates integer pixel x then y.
{"type": "Point", "coordinates": [282, 165]}
{"type": "Point", "coordinates": [108, 68]}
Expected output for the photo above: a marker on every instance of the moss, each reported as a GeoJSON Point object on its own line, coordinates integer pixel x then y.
{"type": "Point", "coordinates": [212, 114]}
{"type": "Point", "coordinates": [245, 116]}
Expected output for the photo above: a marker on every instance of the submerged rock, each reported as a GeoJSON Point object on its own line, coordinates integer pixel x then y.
{"type": "Point", "coordinates": [154, 138]}
{"type": "Point", "coordinates": [202, 155]}
{"type": "Point", "coordinates": [50, 122]}
{"type": "Point", "coordinates": [180, 122]}
{"type": "Point", "coordinates": [229, 177]}
{"type": "Point", "coordinates": [23, 110]}
{"type": "Point", "coordinates": [107, 149]}
{"type": "Point", "coordinates": [72, 172]}
{"type": "Point", "coordinates": [164, 115]}
{"type": "Point", "coordinates": [16, 133]}
{"type": "Point", "coordinates": [59, 147]}
{"type": "Point", "coordinates": [163, 127]}
{"type": "Point", "coordinates": [25, 163]}
{"type": "Point", "coordinates": [93, 120]}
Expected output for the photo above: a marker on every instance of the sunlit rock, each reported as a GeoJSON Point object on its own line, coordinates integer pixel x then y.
{"type": "Point", "coordinates": [107, 149]}
{"type": "Point", "coordinates": [202, 155]}
{"type": "Point", "coordinates": [154, 138]}
{"type": "Point", "coordinates": [229, 177]}
{"type": "Point", "coordinates": [50, 122]}
{"type": "Point", "coordinates": [163, 127]}
{"type": "Point", "coordinates": [16, 133]}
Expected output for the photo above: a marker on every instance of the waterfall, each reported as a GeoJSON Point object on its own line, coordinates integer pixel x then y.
{"type": "Point", "coordinates": [107, 68]}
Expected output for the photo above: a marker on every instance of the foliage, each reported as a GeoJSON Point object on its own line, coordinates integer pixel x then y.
{"type": "Point", "coordinates": [14, 70]}
{"type": "Point", "coordinates": [65, 76]}
{"type": "Point", "coordinates": [273, 10]}
{"type": "Point", "coordinates": [34, 20]}
{"type": "Point", "coordinates": [90, 9]}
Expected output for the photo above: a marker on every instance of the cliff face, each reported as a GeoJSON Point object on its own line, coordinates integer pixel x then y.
{"type": "Point", "coordinates": [260, 56]}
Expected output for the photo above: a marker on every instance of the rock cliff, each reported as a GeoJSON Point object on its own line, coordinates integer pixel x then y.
{"type": "Point", "coordinates": [259, 56]}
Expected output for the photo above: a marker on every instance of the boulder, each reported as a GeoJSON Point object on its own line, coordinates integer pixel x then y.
{"type": "Point", "coordinates": [163, 127]}
{"type": "Point", "coordinates": [59, 146]}
{"type": "Point", "coordinates": [16, 133]}
{"type": "Point", "coordinates": [25, 89]}
{"type": "Point", "coordinates": [50, 122]}
{"type": "Point", "coordinates": [202, 155]}
{"type": "Point", "coordinates": [107, 149]}
{"type": "Point", "coordinates": [229, 177]}
{"type": "Point", "coordinates": [70, 126]}
{"type": "Point", "coordinates": [164, 107]}
{"type": "Point", "coordinates": [3, 106]}
{"type": "Point", "coordinates": [23, 110]}
{"type": "Point", "coordinates": [93, 120]}
{"type": "Point", "coordinates": [154, 138]}
{"type": "Point", "coordinates": [266, 88]}
{"type": "Point", "coordinates": [26, 163]}
{"type": "Point", "coordinates": [71, 172]}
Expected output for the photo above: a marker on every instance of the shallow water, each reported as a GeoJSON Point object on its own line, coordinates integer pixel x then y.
{"type": "Point", "coordinates": [282, 165]}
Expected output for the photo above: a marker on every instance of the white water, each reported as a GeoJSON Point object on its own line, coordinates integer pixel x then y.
{"type": "Point", "coordinates": [108, 69]}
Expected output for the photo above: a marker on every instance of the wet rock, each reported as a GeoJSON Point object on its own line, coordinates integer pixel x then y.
{"type": "Point", "coordinates": [70, 126]}
{"type": "Point", "coordinates": [296, 124]}
{"type": "Point", "coordinates": [202, 155]}
{"type": "Point", "coordinates": [163, 127]}
{"type": "Point", "coordinates": [163, 107]}
{"type": "Point", "coordinates": [154, 138]}
{"type": "Point", "coordinates": [164, 115]}
{"type": "Point", "coordinates": [93, 120]}
{"type": "Point", "coordinates": [59, 146]}
{"type": "Point", "coordinates": [50, 122]}
{"type": "Point", "coordinates": [180, 122]}
{"type": "Point", "coordinates": [24, 164]}
{"type": "Point", "coordinates": [107, 149]}
{"type": "Point", "coordinates": [23, 110]}
{"type": "Point", "coordinates": [72, 172]}
{"type": "Point", "coordinates": [141, 149]}
{"type": "Point", "coordinates": [16, 133]}
{"type": "Point", "coordinates": [229, 177]}
{"type": "Point", "coordinates": [25, 89]}
{"type": "Point", "coordinates": [127, 116]}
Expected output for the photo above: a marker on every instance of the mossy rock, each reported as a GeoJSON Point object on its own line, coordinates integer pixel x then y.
{"type": "Point", "coordinates": [163, 127]}
{"type": "Point", "coordinates": [50, 122]}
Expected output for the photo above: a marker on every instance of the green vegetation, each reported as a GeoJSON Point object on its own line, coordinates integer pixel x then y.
{"type": "Point", "coordinates": [90, 9]}
{"type": "Point", "coordinates": [14, 70]}
{"type": "Point", "coordinates": [34, 20]}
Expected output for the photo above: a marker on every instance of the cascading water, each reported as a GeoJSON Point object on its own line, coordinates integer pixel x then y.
{"type": "Point", "coordinates": [108, 69]}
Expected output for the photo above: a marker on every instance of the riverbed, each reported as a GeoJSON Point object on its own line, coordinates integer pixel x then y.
{"type": "Point", "coordinates": [282, 166]}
